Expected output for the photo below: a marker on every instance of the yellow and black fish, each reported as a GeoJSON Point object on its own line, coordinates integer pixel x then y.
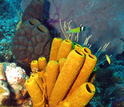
{"type": "Point", "coordinates": [78, 29]}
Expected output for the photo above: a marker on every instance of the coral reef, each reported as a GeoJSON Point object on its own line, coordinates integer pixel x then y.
{"type": "Point", "coordinates": [7, 28]}
{"type": "Point", "coordinates": [52, 87]}
{"type": "Point", "coordinates": [118, 103]}
{"type": "Point", "coordinates": [3, 6]}
{"type": "Point", "coordinates": [4, 91]}
{"type": "Point", "coordinates": [105, 20]}
{"type": "Point", "coordinates": [1, 34]}
{"type": "Point", "coordinates": [12, 79]}
{"type": "Point", "coordinates": [5, 51]}
{"type": "Point", "coordinates": [16, 81]}
{"type": "Point", "coordinates": [31, 41]}
{"type": "Point", "coordinates": [109, 84]}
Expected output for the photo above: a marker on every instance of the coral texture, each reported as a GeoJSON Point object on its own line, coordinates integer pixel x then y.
{"type": "Point", "coordinates": [12, 82]}
{"type": "Point", "coordinates": [31, 41]}
{"type": "Point", "coordinates": [4, 91]}
{"type": "Point", "coordinates": [34, 10]}
{"type": "Point", "coordinates": [16, 77]}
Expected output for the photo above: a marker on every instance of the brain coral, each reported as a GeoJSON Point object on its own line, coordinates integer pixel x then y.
{"type": "Point", "coordinates": [31, 41]}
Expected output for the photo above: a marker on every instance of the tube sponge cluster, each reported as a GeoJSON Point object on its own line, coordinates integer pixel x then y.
{"type": "Point", "coordinates": [64, 80]}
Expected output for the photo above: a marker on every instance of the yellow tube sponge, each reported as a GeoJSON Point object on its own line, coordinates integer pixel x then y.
{"type": "Point", "coordinates": [80, 97]}
{"type": "Point", "coordinates": [77, 46]}
{"type": "Point", "coordinates": [41, 74]}
{"type": "Point", "coordinates": [66, 77]}
{"type": "Point", "coordinates": [35, 93]}
{"type": "Point", "coordinates": [51, 76]}
{"type": "Point", "coordinates": [42, 63]}
{"type": "Point", "coordinates": [38, 80]}
{"type": "Point", "coordinates": [85, 72]}
{"type": "Point", "coordinates": [34, 66]}
{"type": "Point", "coordinates": [86, 50]}
{"type": "Point", "coordinates": [66, 80]}
{"type": "Point", "coordinates": [61, 63]}
{"type": "Point", "coordinates": [55, 48]}
{"type": "Point", "coordinates": [65, 48]}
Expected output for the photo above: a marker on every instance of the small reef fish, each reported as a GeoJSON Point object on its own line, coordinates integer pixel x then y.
{"type": "Point", "coordinates": [108, 59]}
{"type": "Point", "coordinates": [78, 29]}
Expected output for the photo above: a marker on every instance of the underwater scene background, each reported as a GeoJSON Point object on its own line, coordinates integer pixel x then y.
{"type": "Point", "coordinates": [27, 29]}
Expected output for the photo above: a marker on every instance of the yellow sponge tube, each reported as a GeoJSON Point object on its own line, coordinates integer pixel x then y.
{"type": "Point", "coordinates": [41, 74]}
{"type": "Point", "coordinates": [35, 93]}
{"type": "Point", "coordinates": [61, 63]}
{"type": "Point", "coordinates": [86, 50]}
{"type": "Point", "coordinates": [34, 66]}
{"type": "Point", "coordinates": [51, 76]}
{"type": "Point", "coordinates": [77, 46]}
{"type": "Point", "coordinates": [80, 97]}
{"type": "Point", "coordinates": [55, 48]}
{"type": "Point", "coordinates": [42, 63]}
{"type": "Point", "coordinates": [65, 48]}
{"type": "Point", "coordinates": [85, 72]}
{"type": "Point", "coordinates": [66, 77]}
{"type": "Point", "coordinates": [38, 80]}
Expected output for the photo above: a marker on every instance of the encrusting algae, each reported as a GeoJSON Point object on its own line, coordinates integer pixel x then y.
{"type": "Point", "coordinates": [63, 82]}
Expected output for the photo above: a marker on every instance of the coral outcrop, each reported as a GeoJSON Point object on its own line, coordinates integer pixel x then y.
{"type": "Point", "coordinates": [53, 84]}
{"type": "Point", "coordinates": [12, 79]}
{"type": "Point", "coordinates": [4, 91]}
{"type": "Point", "coordinates": [16, 77]}
{"type": "Point", "coordinates": [31, 41]}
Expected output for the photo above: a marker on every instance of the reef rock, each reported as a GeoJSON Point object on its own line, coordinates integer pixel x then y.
{"type": "Point", "coordinates": [12, 79]}
{"type": "Point", "coordinates": [16, 77]}
{"type": "Point", "coordinates": [4, 91]}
